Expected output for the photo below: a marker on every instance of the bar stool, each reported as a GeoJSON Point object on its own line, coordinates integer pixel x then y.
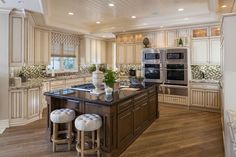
{"type": "Point", "coordinates": [60, 116]}
{"type": "Point", "coordinates": [88, 123]}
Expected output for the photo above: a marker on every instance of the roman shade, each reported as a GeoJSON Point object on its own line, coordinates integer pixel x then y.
{"type": "Point", "coordinates": [64, 45]}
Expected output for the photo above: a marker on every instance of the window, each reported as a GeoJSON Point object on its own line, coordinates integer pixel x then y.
{"type": "Point", "coordinates": [60, 64]}
{"type": "Point", "coordinates": [64, 52]}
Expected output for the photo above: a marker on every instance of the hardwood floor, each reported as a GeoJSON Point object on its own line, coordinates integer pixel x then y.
{"type": "Point", "coordinates": [178, 133]}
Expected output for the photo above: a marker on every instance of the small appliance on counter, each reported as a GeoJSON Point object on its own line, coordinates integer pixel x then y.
{"type": "Point", "coordinates": [132, 72]}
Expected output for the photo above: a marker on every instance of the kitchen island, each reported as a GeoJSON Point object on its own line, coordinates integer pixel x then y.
{"type": "Point", "coordinates": [125, 114]}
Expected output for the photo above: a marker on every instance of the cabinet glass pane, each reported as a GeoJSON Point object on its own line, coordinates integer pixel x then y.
{"type": "Point", "coordinates": [215, 31]}
{"type": "Point", "coordinates": [200, 33]}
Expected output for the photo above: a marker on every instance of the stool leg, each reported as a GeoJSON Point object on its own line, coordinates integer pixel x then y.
{"type": "Point", "coordinates": [93, 138]}
{"type": "Point", "coordinates": [69, 135]}
{"type": "Point", "coordinates": [82, 143]}
{"type": "Point", "coordinates": [54, 135]}
{"type": "Point", "coordinates": [98, 142]}
{"type": "Point", "coordinates": [78, 142]}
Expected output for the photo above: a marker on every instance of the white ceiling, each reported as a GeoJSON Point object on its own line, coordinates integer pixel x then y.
{"type": "Point", "coordinates": [33, 5]}
{"type": "Point", "coordinates": [149, 13]}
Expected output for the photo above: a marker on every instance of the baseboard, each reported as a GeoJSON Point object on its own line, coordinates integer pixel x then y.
{"type": "Point", "coordinates": [3, 125]}
{"type": "Point", "coordinates": [20, 122]}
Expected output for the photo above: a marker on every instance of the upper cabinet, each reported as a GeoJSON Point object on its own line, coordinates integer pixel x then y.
{"type": "Point", "coordinates": [171, 37]}
{"type": "Point", "coordinates": [160, 39]}
{"type": "Point", "coordinates": [92, 51]}
{"type": "Point", "coordinates": [16, 39]}
{"type": "Point", "coordinates": [42, 46]}
{"type": "Point", "coordinates": [205, 48]}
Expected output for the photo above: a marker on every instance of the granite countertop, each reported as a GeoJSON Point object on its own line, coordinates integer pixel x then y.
{"type": "Point", "coordinates": [101, 99]}
{"type": "Point", "coordinates": [32, 83]}
{"type": "Point", "coordinates": [205, 81]}
{"type": "Point", "coordinates": [66, 77]}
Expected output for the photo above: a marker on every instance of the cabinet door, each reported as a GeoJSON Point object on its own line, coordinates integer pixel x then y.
{"type": "Point", "coordinates": [103, 52]}
{"type": "Point", "coordinates": [183, 33]}
{"type": "Point", "coordinates": [17, 104]}
{"type": "Point", "coordinates": [200, 51]}
{"type": "Point", "coordinates": [171, 38]}
{"type": "Point", "coordinates": [98, 52]}
{"type": "Point", "coordinates": [129, 55]}
{"type": "Point", "coordinates": [152, 107]}
{"type": "Point", "coordinates": [93, 56]}
{"type": "Point", "coordinates": [197, 97]}
{"type": "Point", "coordinates": [215, 51]}
{"type": "Point", "coordinates": [45, 88]}
{"type": "Point", "coordinates": [138, 53]}
{"type": "Point", "coordinates": [125, 127]}
{"type": "Point", "coordinates": [87, 51]}
{"type": "Point", "coordinates": [42, 46]}
{"type": "Point", "coordinates": [120, 54]}
{"type": "Point", "coordinates": [212, 99]}
{"type": "Point", "coordinates": [34, 105]}
{"type": "Point", "coordinates": [160, 39]}
{"type": "Point", "coordinates": [16, 41]}
{"type": "Point", "coordinates": [29, 39]}
{"type": "Point", "coordinates": [138, 118]}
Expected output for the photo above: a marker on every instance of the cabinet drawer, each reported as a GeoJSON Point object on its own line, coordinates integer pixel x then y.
{"type": "Point", "coordinates": [58, 83]}
{"type": "Point", "coordinates": [124, 105]}
{"type": "Point", "coordinates": [206, 86]}
{"type": "Point", "coordinates": [173, 99]}
{"type": "Point", "coordinates": [142, 96]}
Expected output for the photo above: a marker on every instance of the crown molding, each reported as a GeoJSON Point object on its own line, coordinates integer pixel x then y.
{"type": "Point", "coordinates": [5, 11]}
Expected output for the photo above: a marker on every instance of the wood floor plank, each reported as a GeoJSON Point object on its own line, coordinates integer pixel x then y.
{"type": "Point", "coordinates": [177, 133]}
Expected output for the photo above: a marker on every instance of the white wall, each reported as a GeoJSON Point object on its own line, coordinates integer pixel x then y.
{"type": "Point", "coordinates": [4, 76]}
{"type": "Point", "coordinates": [229, 76]}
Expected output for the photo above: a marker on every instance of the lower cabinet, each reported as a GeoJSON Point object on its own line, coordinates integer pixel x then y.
{"type": "Point", "coordinates": [25, 106]}
{"type": "Point", "coordinates": [207, 97]}
{"type": "Point", "coordinates": [125, 120]}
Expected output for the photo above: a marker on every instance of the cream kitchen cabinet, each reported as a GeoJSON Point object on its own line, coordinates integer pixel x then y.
{"type": "Point", "coordinates": [205, 96]}
{"type": "Point", "coordinates": [73, 82]}
{"type": "Point", "coordinates": [125, 53]}
{"type": "Point", "coordinates": [215, 51]}
{"type": "Point", "coordinates": [45, 88]}
{"type": "Point", "coordinates": [42, 46]}
{"type": "Point", "coordinates": [160, 39]}
{"type": "Point", "coordinates": [171, 36]}
{"type": "Point", "coordinates": [200, 51]}
{"type": "Point", "coordinates": [24, 106]}
{"type": "Point", "coordinates": [120, 54]}
{"type": "Point", "coordinates": [57, 85]}
{"type": "Point", "coordinates": [16, 39]}
{"type": "Point", "coordinates": [92, 51]}
{"type": "Point", "coordinates": [21, 51]}
{"type": "Point", "coordinates": [206, 51]}
{"type": "Point", "coordinates": [138, 53]}
{"type": "Point", "coordinates": [34, 102]}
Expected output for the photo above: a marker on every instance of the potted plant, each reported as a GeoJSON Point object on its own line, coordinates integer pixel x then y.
{"type": "Point", "coordinates": [180, 42]}
{"type": "Point", "coordinates": [109, 80]}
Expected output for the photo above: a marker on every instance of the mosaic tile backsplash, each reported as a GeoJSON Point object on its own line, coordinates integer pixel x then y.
{"type": "Point", "coordinates": [211, 72]}
{"type": "Point", "coordinates": [124, 68]}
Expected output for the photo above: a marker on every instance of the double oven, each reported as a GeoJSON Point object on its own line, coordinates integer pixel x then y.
{"type": "Point", "coordinates": [176, 67]}
{"type": "Point", "coordinates": [152, 65]}
{"type": "Point", "coordinates": [165, 65]}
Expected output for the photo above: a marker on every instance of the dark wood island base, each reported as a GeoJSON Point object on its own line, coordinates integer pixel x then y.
{"type": "Point", "coordinates": [123, 119]}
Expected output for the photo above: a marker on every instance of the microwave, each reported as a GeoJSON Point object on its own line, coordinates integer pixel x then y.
{"type": "Point", "coordinates": [150, 55]}
{"type": "Point", "coordinates": [176, 56]}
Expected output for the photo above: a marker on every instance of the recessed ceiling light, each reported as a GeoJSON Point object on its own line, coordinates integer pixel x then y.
{"type": "Point", "coordinates": [98, 22]}
{"type": "Point", "coordinates": [111, 4]}
{"type": "Point", "coordinates": [186, 18]}
{"type": "Point", "coordinates": [224, 6]}
{"type": "Point", "coordinates": [71, 13]}
{"type": "Point", "coordinates": [21, 1]}
{"type": "Point", "coordinates": [161, 26]}
{"type": "Point", "coordinates": [133, 17]}
{"type": "Point", "coordinates": [181, 9]}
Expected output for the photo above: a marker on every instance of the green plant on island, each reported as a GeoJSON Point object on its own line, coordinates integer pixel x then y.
{"type": "Point", "coordinates": [110, 78]}
{"type": "Point", "coordinates": [180, 42]}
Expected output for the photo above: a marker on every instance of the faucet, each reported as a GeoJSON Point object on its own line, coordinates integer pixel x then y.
{"type": "Point", "coordinates": [202, 74]}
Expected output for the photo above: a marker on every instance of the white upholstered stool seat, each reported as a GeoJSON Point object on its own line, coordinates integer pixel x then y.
{"type": "Point", "coordinates": [88, 123]}
{"type": "Point", "coordinates": [63, 115]}
{"type": "Point", "coordinates": [60, 116]}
